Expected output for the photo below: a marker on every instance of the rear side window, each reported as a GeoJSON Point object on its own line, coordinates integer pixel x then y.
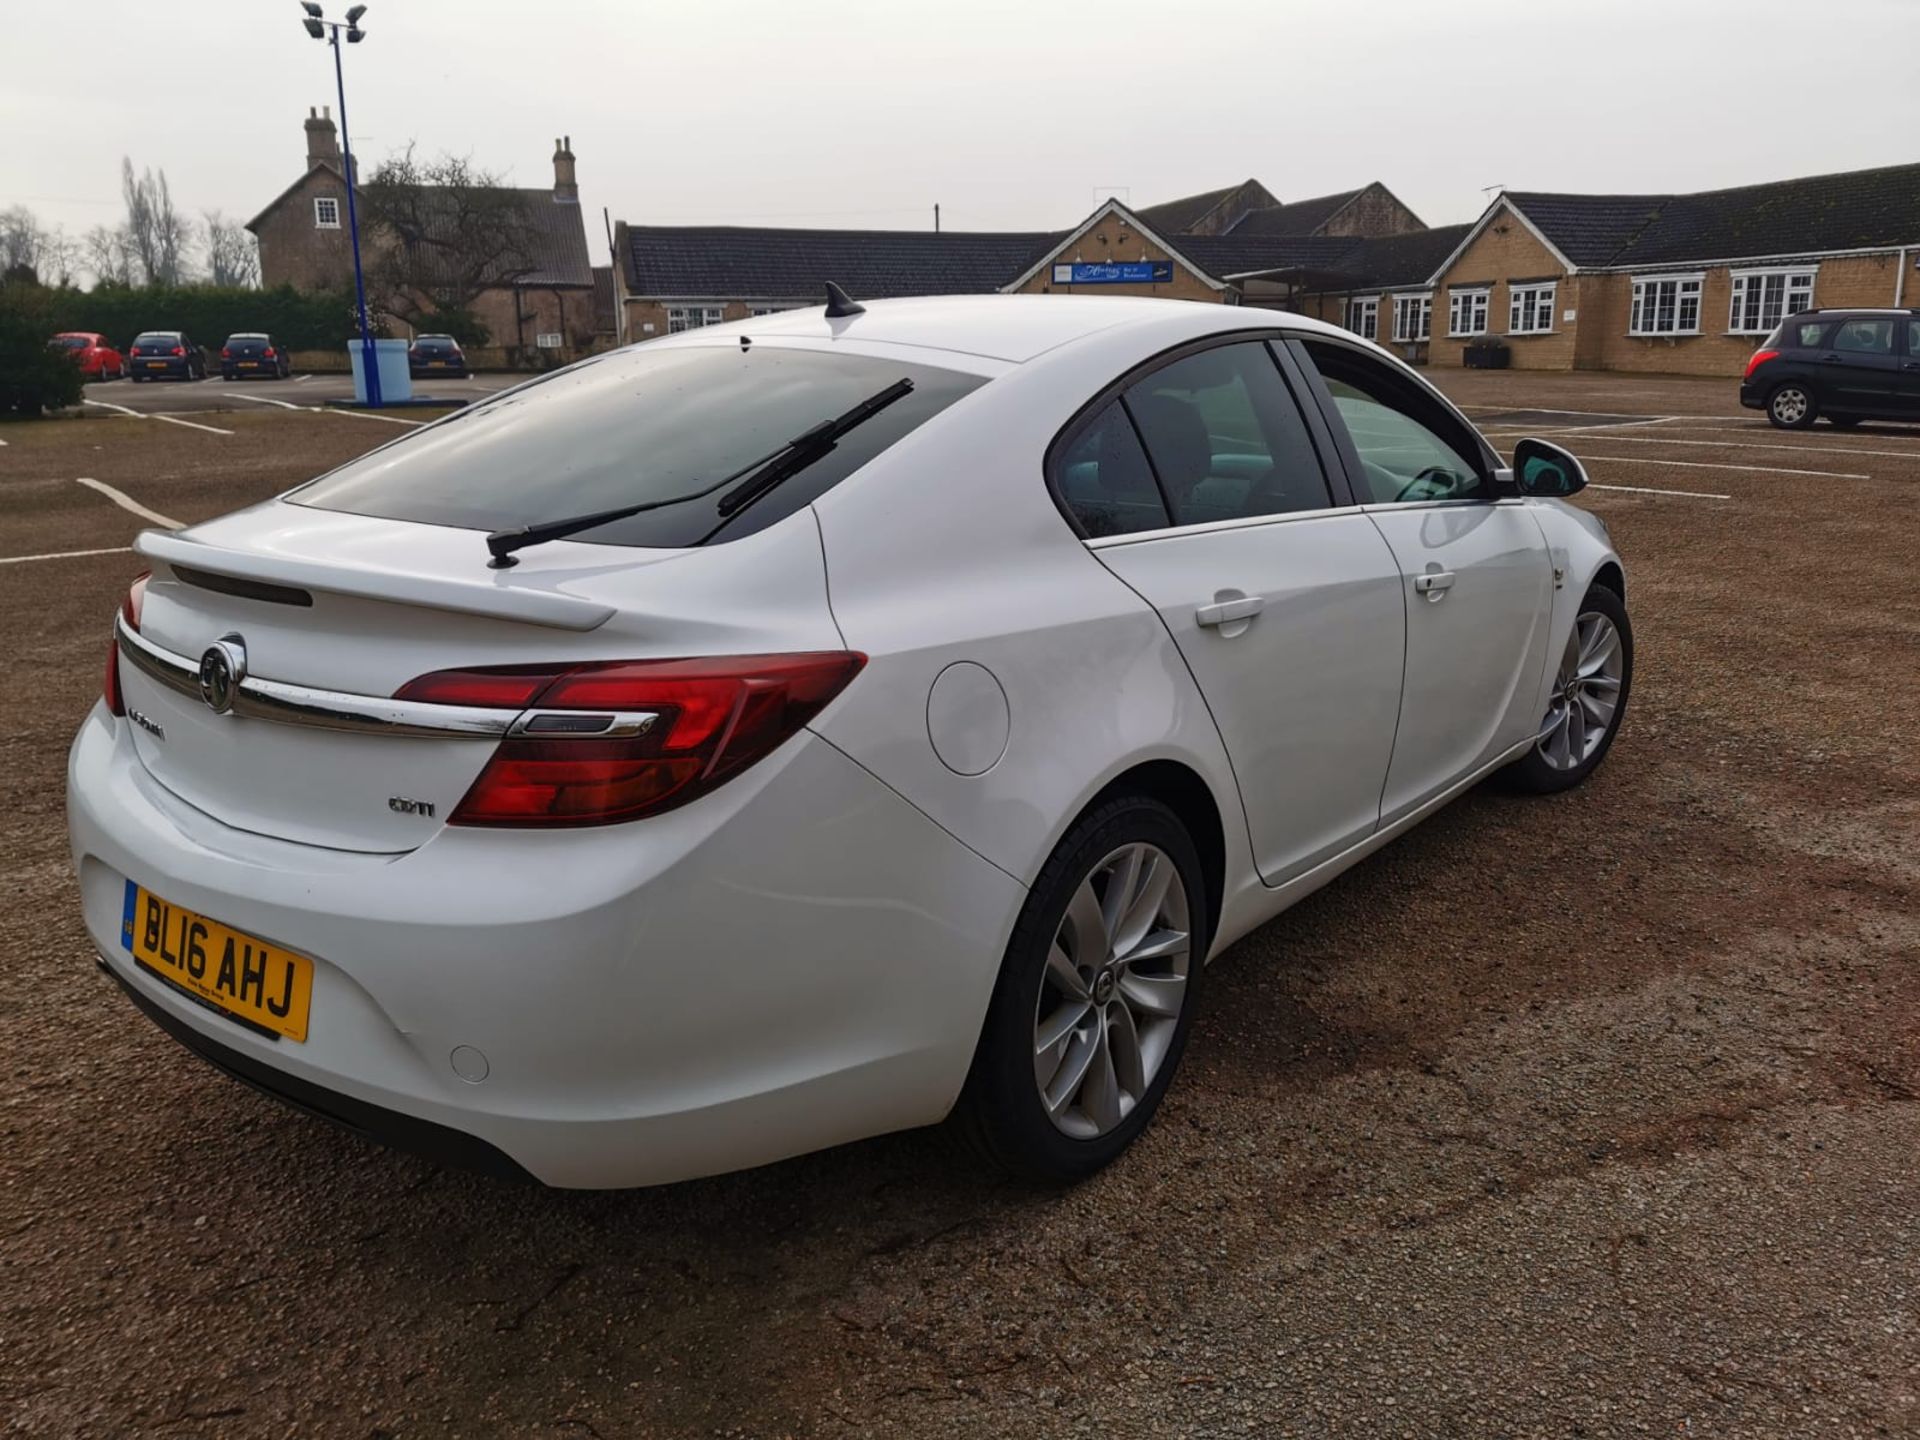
{"type": "Point", "coordinates": [1805, 334]}
{"type": "Point", "coordinates": [652, 423]}
{"type": "Point", "coordinates": [1913, 338]}
{"type": "Point", "coordinates": [1868, 337]}
{"type": "Point", "coordinates": [1103, 478]}
{"type": "Point", "coordinates": [1225, 437]}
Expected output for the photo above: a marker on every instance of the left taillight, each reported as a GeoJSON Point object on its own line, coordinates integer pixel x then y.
{"type": "Point", "coordinates": [1760, 357]}
{"type": "Point", "coordinates": [130, 613]}
{"type": "Point", "coordinates": [569, 765]}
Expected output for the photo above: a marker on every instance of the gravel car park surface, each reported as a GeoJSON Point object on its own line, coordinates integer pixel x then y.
{"type": "Point", "coordinates": [1584, 1116]}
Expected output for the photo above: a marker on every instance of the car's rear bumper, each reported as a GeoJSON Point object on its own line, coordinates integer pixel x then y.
{"type": "Point", "coordinates": [160, 369]}
{"type": "Point", "coordinates": [799, 959]}
{"type": "Point", "coordinates": [1753, 394]}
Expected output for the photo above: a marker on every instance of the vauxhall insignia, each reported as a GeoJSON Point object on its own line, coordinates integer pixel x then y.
{"type": "Point", "coordinates": [222, 668]}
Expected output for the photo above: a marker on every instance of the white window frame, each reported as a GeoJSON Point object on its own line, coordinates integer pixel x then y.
{"type": "Point", "coordinates": [1363, 316]}
{"type": "Point", "coordinates": [1474, 301]}
{"type": "Point", "coordinates": [682, 318]}
{"type": "Point", "coordinates": [759, 310]}
{"type": "Point", "coordinates": [1419, 309]}
{"type": "Point", "coordinates": [1531, 303]}
{"type": "Point", "coordinates": [321, 204]}
{"type": "Point", "coordinates": [1795, 294]}
{"type": "Point", "coordinates": [1686, 286]}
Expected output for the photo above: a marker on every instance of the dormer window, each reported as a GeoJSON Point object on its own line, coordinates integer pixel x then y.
{"type": "Point", "coordinates": [326, 212]}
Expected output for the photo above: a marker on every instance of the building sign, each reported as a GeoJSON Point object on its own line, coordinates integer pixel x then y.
{"type": "Point", "coordinates": [1124, 272]}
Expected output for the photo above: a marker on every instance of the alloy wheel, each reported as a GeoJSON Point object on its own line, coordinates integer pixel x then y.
{"type": "Point", "coordinates": [1111, 997]}
{"type": "Point", "coordinates": [1586, 693]}
{"type": "Point", "coordinates": [1790, 405]}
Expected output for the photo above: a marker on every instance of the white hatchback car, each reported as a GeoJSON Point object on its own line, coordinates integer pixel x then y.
{"type": "Point", "coordinates": [794, 730]}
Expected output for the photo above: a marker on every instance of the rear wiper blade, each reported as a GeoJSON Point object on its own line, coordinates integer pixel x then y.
{"type": "Point", "coordinates": [756, 478]}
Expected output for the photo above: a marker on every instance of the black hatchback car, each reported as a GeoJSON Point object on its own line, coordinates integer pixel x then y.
{"type": "Point", "coordinates": [437, 355]}
{"type": "Point", "coordinates": [160, 354]}
{"type": "Point", "coordinates": [1848, 365]}
{"type": "Point", "coordinates": [252, 353]}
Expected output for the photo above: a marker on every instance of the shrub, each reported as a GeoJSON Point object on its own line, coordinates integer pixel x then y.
{"type": "Point", "coordinates": [32, 377]}
{"type": "Point", "coordinates": [299, 320]}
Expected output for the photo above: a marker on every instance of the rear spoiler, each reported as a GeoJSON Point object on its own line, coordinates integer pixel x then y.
{"type": "Point", "coordinates": [493, 593]}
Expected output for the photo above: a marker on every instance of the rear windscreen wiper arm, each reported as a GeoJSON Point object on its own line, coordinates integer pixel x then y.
{"type": "Point", "coordinates": [759, 475]}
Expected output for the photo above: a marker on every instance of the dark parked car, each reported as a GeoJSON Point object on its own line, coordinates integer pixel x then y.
{"type": "Point", "coordinates": [163, 354]}
{"type": "Point", "coordinates": [1848, 365]}
{"type": "Point", "coordinates": [92, 352]}
{"type": "Point", "coordinates": [436, 355]}
{"type": "Point", "coordinates": [252, 354]}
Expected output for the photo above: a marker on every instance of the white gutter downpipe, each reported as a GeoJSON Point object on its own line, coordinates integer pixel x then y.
{"type": "Point", "coordinates": [1900, 279]}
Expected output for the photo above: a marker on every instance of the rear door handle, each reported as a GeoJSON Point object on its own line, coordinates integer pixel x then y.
{"type": "Point", "coordinates": [1434, 584]}
{"type": "Point", "coordinates": [1225, 612]}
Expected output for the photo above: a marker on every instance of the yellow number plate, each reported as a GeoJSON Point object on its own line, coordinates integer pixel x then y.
{"type": "Point", "coordinates": [246, 979]}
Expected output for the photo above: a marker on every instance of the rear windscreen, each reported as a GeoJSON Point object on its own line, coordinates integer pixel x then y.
{"type": "Point", "coordinates": [70, 342]}
{"type": "Point", "coordinates": [156, 342]}
{"type": "Point", "coordinates": [648, 423]}
{"type": "Point", "coordinates": [426, 344]}
{"type": "Point", "coordinates": [246, 340]}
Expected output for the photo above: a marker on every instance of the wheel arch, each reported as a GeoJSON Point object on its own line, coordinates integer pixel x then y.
{"type": "Point", "coordinates": [1611, 577]}
{"type": "Point", "coordinates": [1182, 790]}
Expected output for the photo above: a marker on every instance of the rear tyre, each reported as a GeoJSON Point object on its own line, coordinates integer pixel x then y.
{"type": "Point", "coordinates": [1095, 997]}
{"type": "Point", "coordinates": [1791, 406]}
{"type": "Point", "coordinates": [1589, 700]}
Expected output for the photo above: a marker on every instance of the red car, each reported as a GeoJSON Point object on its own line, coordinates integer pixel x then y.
{"type": "Point", "coordinates": [94, 354]}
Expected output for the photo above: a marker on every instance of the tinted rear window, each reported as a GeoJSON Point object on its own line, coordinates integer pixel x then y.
{"type": "Point", "coordinates": [156, 342]}
{"type": "Point", "coordinates": [70, 342]}
{"type": "Point", "coordinates": [429, 343]}
{"type": "Point", "coordinates": [650, 423]}
{"type": "Point", "coordinates": [246, 339]}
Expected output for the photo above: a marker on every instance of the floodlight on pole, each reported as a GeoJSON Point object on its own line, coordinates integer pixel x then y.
{"type": "Point", "coordinates": [321, 28]}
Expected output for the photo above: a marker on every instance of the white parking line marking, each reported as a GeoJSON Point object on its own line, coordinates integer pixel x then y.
{"type": "Point", "coordinates": [191, 425]}
{"type": "Point", "coordinates": [104, 405]}
{"type": "Point", "coordinates": [262, 400]}
{"type": "Point", "coordinates": [301, 379]}
{"type": "Point", "coordinates": [1708, 465]}
{"type": "Point", "coordinates": [1649, 490]}
{"type": "Point", "coordinates": [3, 444]}
{"type": "Point", "coordinates": [1837, 452]}
{"type": "Point", "coordinates": [127, 502]}
{"type": "Point", "coordinates": [367, 415]}
{"type": "Point", "coordinates": [1620, 415]}
{"type": "Point", "coordinates": [65, 555]}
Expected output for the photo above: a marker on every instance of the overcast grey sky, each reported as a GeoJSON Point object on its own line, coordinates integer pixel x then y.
{"type": "Point", "coordinates": [1012, 114]}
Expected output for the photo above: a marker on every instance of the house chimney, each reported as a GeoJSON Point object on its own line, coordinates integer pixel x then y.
{"type": "Point", "coordinates": [566, 190]}
{"type": "Point", "coordinates": [323, 143]}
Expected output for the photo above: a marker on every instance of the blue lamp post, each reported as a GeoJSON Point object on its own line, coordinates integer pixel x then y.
{"type": "Point", "coordinates": [321, 28]}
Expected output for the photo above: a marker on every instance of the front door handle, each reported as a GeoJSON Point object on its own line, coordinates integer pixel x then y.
{"type": "Point", "coordinates": [1225, 612]}
{"type": "Point", "coordinates": [1434, 584]}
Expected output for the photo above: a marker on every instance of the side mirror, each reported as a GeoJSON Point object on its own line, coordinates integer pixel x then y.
{"type": "Point", "coordinates": [1544, 469]}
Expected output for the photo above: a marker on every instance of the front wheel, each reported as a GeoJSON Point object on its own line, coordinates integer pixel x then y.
{"type": "Point", "coordinates": [1792, 406]}
{"type": "Point", "coordinates": [1095, 996]}
{"type": "Point", "coordinates": [1588, 701]}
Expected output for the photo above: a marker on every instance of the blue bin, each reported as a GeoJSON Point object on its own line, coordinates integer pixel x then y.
{"type": "Point", "coordinates": [396, 381]}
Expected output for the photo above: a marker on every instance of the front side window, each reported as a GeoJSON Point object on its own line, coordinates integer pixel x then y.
{"type": "Point", "coordinates": [1530, 309]}
{"type": "Point", "coordinates": [326, 212]}
{"type": "Point", "coordinates": [643, 424]}
{"type": "Point", "coordinates": [1666, 305]}
{"type": "Point", "coordinates": [682, 318]}
{"type": "Point", "coordinates": [1104, 480]}
{"type": "Point", "coordinates": [1412, 317]}
{"type": "Point", "coordinates": [1225, 437]}
{"type": "Point", "coordinates": [1865, 337]}
{"type": "Point", "coordinates": [1363, 317]}
{"type": "Point", "coordinates": [1467, 312]}
{"type": "Point", "coordinates": [1411, 447]}
{"type": "Point", "coordinates": [1763, 298]}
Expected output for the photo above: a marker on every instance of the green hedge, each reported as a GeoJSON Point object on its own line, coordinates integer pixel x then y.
{"type": "Point", "coordinates": [32, 377]}
{"type": "Point", "coordinates": [299, 320]}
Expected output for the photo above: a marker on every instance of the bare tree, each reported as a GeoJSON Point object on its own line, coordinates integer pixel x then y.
{"type": "Point", "coordinates": [444, 232]}
{"type": "Point", "coordinates": [108, 252]}
{"type": "Point", "coordinates": [46, 251]}
{"type": "Point", "coordinates": [232, 257]}
{"type": "Point", "coordinates": [157, 233]}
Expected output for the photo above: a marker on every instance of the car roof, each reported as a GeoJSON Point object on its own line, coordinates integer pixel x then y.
{"type": "Point", "coordinates": [1014, 328]}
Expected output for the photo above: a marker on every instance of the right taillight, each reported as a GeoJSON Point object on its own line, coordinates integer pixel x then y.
{"type": "Point", "coordinates": [130, 613]}
{"type": "Point", "coordinates": [711, 719]}
{"type": "Point", "coordinates": [226, 352]}
{"type": "Point", "coordinates": [1760, 357]}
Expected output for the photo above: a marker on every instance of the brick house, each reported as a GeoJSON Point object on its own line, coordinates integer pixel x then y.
{"type": "Point", "coordinates": [304, 242]}
{"type": "Point", "coordinates": [1229, 245]}
{"type": "Point", "coordinates": [1683, 284]}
